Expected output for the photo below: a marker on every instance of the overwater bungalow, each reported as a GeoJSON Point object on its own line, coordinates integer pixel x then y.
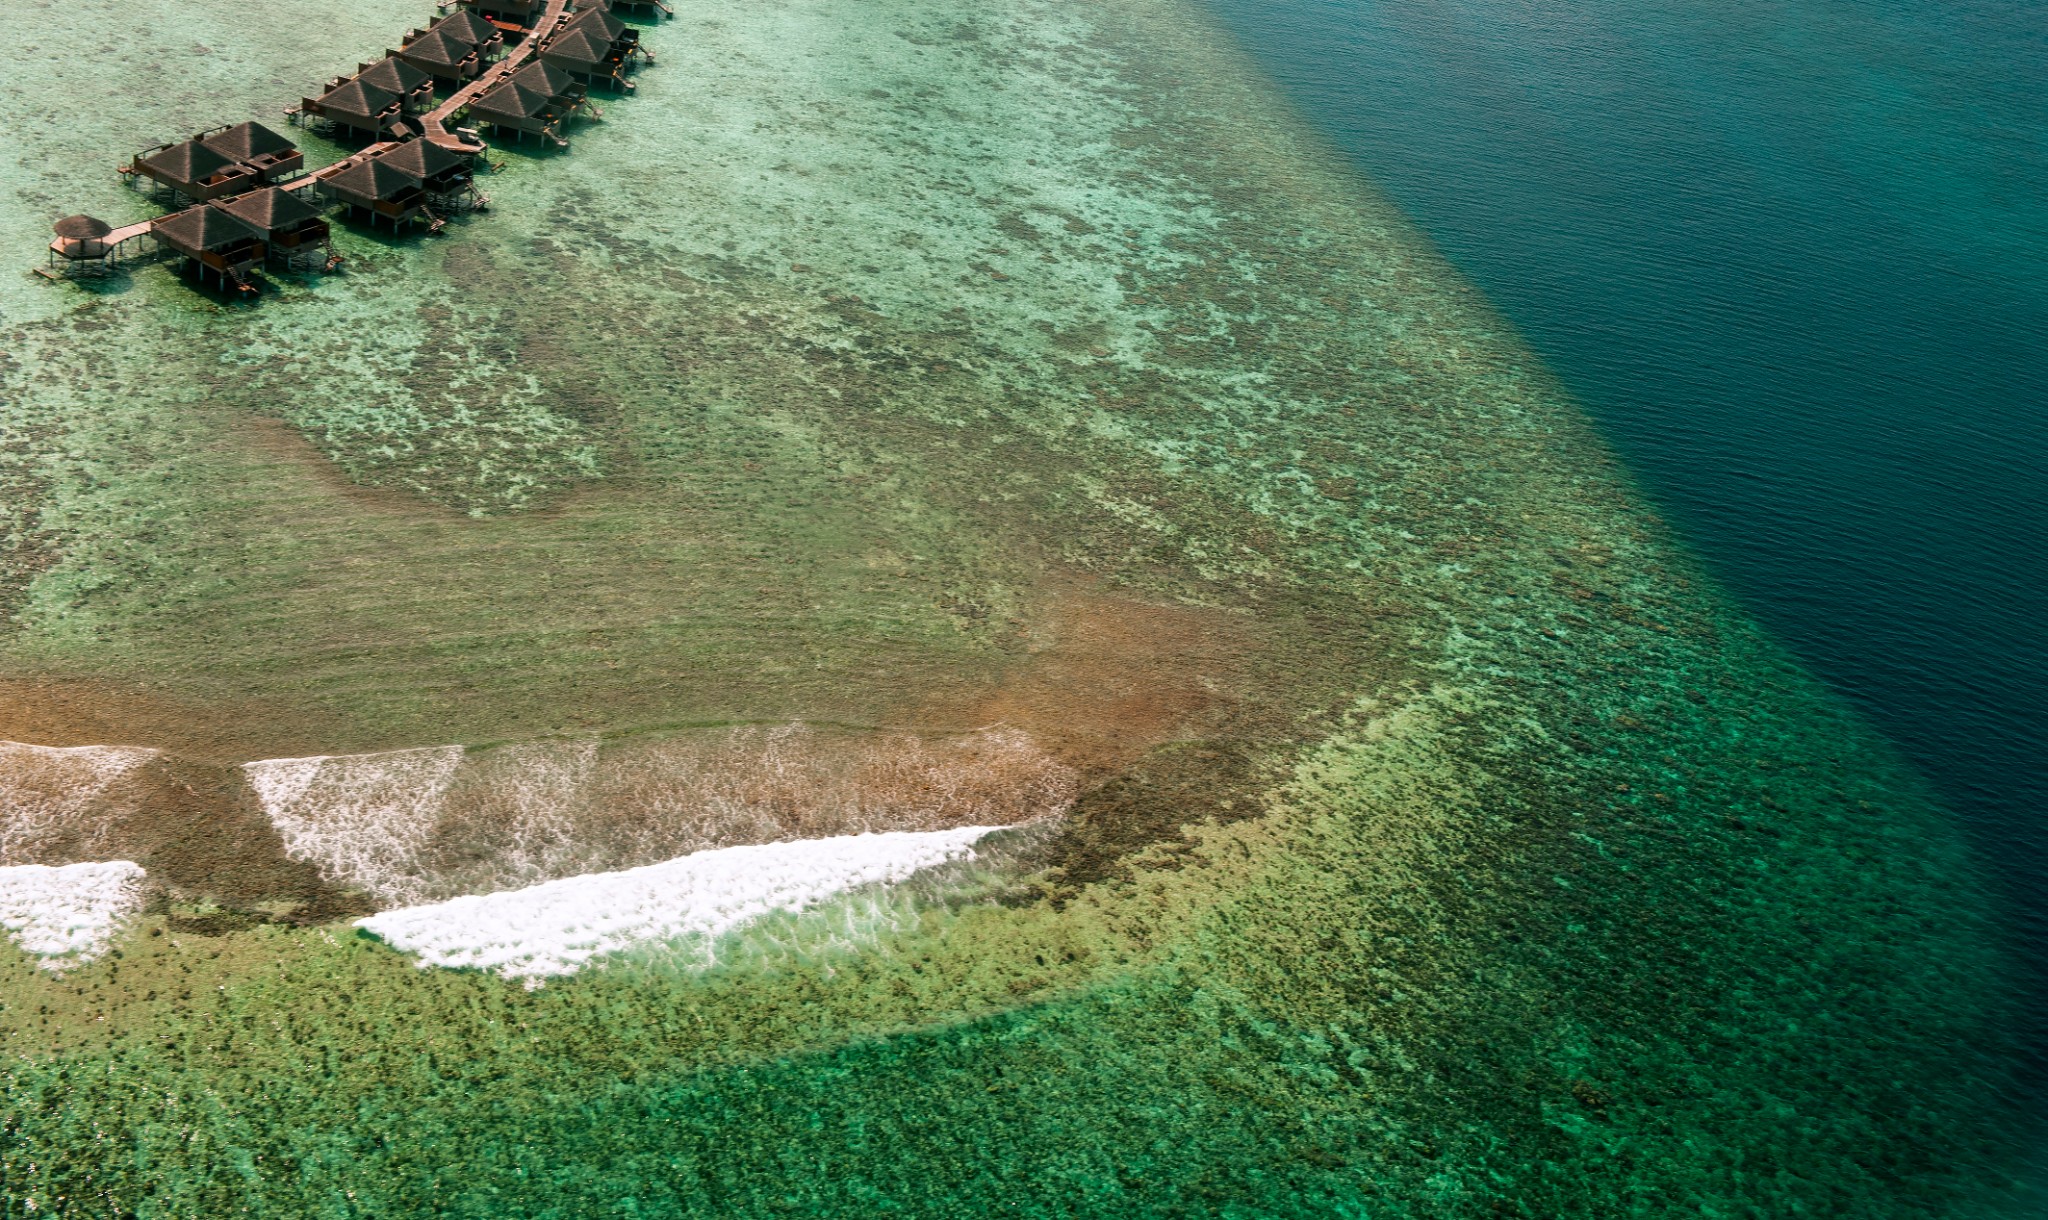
{"type": "Point", "coordinates": [294, 233]}
{"type": "Point", "coordinates": [554, 82]}
{"type": "Point", "coordinates": [441, 55]}
{"type": "Point", "coordinates": [192, 172]}
{"type": "Point", "coordinates": [381, 192]}
{"type": "Point", "coordinates": [639, 7]}
{"type": "Point", "coordinates": [361, 108]}
{"type": "Point", "coordinates": [605, 26]}
{"type": "Point", "coordinates": [538, 100]}
{"type": "Point", "coordinates": [415, 89]}
{"type": "Point", "coordinates": [515, 14]}
{"type": "Point", "coordinates": [488, 39]}
{"type": "Point", "coordinates": [221, 248]}
{"type": "Point", "coordinates": [256, 147]}
{"type": "Point", "coordinates": [445, 176]}
{"type": "Point", "coordinates": [589, 57]}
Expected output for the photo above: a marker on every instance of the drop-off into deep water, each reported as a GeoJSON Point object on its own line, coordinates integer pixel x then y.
{"type": "Point", "coordinates": [884, 399]}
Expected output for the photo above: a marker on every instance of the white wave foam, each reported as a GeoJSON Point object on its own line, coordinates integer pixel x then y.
{"type": "Point", "coordinates": [47, 795]}
{"type": "Point", "coordinates": [558, 926]}
{"type": "Point", "coordinates": [67, 916]}
{"type": "Point", "coordinates": [539, 785]}
{"type": "Point", "coordinates": [362, 819]}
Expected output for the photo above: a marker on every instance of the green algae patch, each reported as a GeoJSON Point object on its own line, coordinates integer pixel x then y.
{"type": "Point", "coordinates": [1447, 844]}
{"type": "Point", "coordinates": [1433, 982]}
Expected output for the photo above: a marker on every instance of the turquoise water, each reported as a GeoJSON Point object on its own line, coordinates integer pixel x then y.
{"type": "Point", "coordinates": [901, 414]}
{"type": "Point", "coordinates": [1794, 256]}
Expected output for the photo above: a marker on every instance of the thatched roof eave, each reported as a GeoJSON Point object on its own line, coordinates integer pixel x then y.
{"type": "Point", "coordinates": [82, 228]}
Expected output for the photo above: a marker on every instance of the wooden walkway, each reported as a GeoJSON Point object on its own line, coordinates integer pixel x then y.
{"type": "Point", "coordinates": [433, 125]}
{"type": "Point", "coordinates": [141, 228]}
{"type": "Point", "coordinates": [435, 121]}
{"type": "Point", "coordinates": [303, 181]}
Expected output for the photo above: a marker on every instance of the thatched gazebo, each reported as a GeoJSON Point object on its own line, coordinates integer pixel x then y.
{"type": "Point", "coordinates": [81, 237]}
{"type": "Point", "coordinates": [80, 248]}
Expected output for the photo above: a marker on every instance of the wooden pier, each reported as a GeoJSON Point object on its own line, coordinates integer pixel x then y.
{"type": "Point", "coordinates": [435, 121]}
{"type": "Point", "coordinates": [139, 240]}
{"type": "Point", "coordinates": [86, 246]}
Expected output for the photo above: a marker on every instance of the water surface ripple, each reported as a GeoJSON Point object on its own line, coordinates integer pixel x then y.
{"type": "Point", "coordinates": [1794, 255]}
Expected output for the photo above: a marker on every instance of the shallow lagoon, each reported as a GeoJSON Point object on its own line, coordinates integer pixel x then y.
{"type": "Point", "coordinates": [894, 372]}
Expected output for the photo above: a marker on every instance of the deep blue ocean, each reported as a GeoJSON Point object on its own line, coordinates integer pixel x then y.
{"type": "Point", "coordinates": [1793, 254]}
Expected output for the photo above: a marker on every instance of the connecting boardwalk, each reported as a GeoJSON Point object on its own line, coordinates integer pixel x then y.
{"type": "Point", "coordinates": [211, 185]}
{"type": "Point", "coordinates": [118, 238]}
{"type": "Point", "coordinates": [435, 121]}
{"type": "Point", "coordinates": [328, 171]}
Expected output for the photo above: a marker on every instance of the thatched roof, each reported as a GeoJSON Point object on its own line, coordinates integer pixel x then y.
{"type": "Point", "coordinates": [438, 50]}
{"type": "Point", "coordinates": [202, 228]}
{"type": "Point", "coordinates": [604, 25]}
{"type": "Point", "coordinates": [580, 51]}
{"type": "Point", "coordinates": [374, 179]}
{"type": "Point", "coordinates": [469, 27]}
{"type": "Point", "coordinates": [538, 77]}
{"type": "Point", "coordinates": [81, 228]}
{"type": "Point", "coordinates": [271, 209]}
{"type": "Point", "coordinates": [513, 98]}
{"type": "Point", "coordinates": [248, 141]}
{"type": "Point", "coordinates": [423, 159]}
{"type": "Point", "coordinates": [190, 161]}
{"type": "Point", "coordinates": [393, 75]}
{"type": "Point", "coordinates": [358, 100]}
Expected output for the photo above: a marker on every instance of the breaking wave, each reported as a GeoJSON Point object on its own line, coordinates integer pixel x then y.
{"type": "Point", "coordinates": [67, 916]}
{"type": "Point", "coordinates": [558, 927]}
{"type": "Point", "coordinates": [365, 820]}
{"type": "Point", "coordinates": [415, 826]}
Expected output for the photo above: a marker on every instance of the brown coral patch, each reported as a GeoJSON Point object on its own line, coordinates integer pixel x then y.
{"type": "Point", "coordinates": [1163, 709]}
{"type": "Point", "coordinates": [1106, 677]}
{"type": "Point", "coordinates": [67, 711]}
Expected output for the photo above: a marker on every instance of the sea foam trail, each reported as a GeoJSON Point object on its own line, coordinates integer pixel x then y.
{"type": "Point", "coordinates": [362, 819]}
{"type": "Point", "coordinates": [556, 927]}
{"type": "Point", "coordinates": [48, 797]}
{"type": "Point", "coordinates": [68, 915]}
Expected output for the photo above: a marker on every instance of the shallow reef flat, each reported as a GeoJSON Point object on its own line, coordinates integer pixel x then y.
{"type": "Point", "coordinates": [886, 397]}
